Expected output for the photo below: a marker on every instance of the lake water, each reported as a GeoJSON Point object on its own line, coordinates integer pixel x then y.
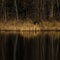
{"type": "Point", "coordinates": [29, 45]}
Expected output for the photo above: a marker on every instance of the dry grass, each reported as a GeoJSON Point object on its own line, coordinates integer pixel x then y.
{"type": "Point", "coordinates": [29, 29]}
{"type": "Point", "coordinates": [28, 25]}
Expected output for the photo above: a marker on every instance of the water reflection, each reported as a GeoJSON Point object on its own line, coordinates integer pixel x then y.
{"type": "Point", "coordinates": [32, 33]}
{"type": "Point", "coordinates": [30, 45]}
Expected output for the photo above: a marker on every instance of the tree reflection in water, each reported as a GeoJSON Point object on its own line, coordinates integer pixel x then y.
{"type": "Point", "coordinates": [42, 46]}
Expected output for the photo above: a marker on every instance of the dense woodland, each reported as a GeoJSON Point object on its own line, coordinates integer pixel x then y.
{"type": "Point", "coordinates": [44, 47]}
{"type": "Point", "coordinates": [36, 10]}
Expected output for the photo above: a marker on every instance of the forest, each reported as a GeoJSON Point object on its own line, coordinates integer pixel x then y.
{"type": "Point", "coordinates": [36, 10]}
{"type": "Point", "coordinates": [25, 40]}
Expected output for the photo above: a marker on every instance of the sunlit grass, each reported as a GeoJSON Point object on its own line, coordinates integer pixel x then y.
{"type": "Point", "coordinates": [28, 28]}
{"type": "Point", "coordinates": [29, 25]}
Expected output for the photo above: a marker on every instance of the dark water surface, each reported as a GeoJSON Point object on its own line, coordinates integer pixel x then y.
{"type": "Point", "coordinates": [45, 46]}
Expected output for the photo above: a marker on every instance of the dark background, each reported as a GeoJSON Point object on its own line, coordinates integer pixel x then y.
{"type": "Point", "coordinates": [37, 10]}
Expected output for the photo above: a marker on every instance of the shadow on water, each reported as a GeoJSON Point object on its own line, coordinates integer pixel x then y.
{"type": "Point", "coordinates": [44, 46]}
